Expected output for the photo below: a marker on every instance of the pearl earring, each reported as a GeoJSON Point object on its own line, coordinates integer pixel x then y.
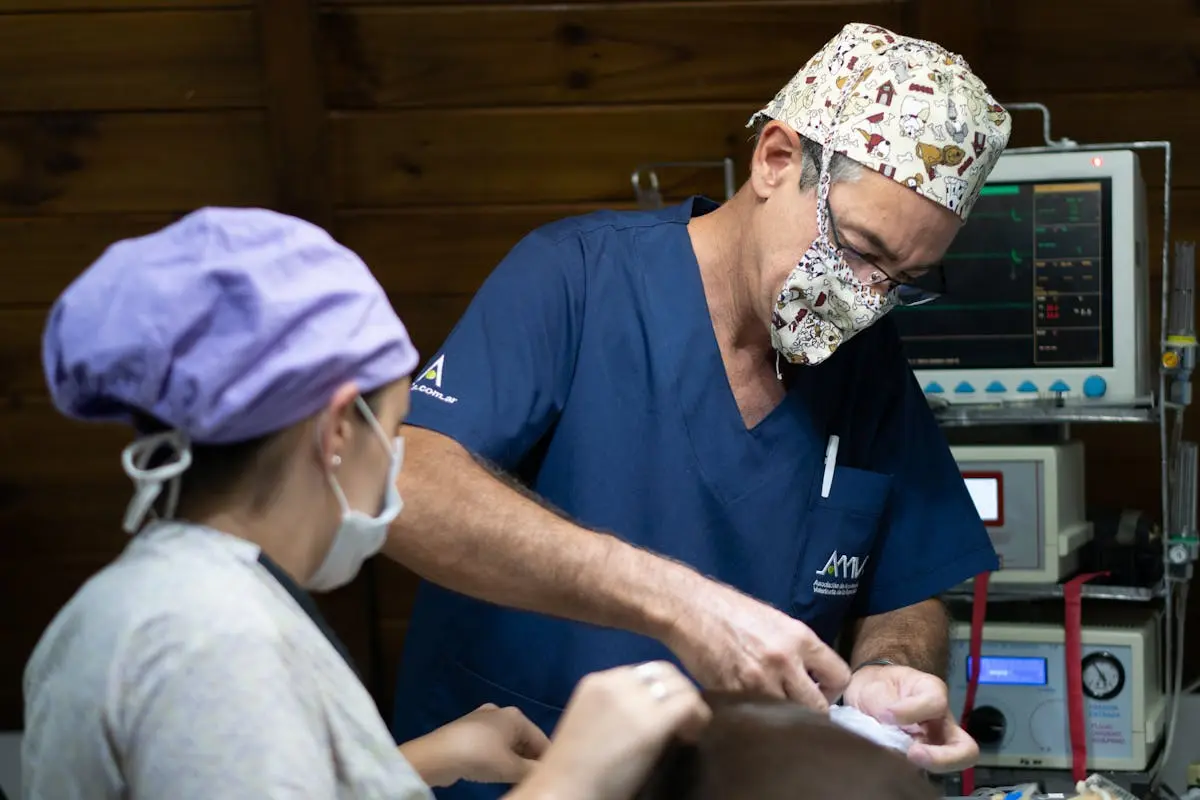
{"type": "Point", "coordinates": [336, 461]}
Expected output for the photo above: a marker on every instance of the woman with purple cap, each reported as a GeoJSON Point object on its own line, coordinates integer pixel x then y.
{"type": "Point", "coordinates": [268, 377]}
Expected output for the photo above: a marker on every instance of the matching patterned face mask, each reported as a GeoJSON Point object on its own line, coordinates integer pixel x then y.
{"type": "Point", "coordinates": [822, 303]}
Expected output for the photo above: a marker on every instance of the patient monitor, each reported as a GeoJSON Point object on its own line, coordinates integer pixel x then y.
{"type": "Point", "coordinates": [1046, 290]}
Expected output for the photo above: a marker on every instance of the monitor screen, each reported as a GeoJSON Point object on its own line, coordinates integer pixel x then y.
{"type": "Point", "coordinates": [1010, 671]}
{"type": "Point", "coordinates": [1028, 282]}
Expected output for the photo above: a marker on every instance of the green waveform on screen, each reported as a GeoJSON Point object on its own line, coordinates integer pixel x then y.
{"type": "Point", "coordinates": [999, 188]}
{"type": "Point", "coordinates": [1012, 255]}
{"type": "Point", "coordinates": [1012, 214]}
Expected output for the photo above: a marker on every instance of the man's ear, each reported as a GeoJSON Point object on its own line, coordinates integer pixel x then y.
{"type": "Point", "coordinates": [777, 157]}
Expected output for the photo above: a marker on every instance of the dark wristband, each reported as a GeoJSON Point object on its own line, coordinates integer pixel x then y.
{"type": "Point", "coordinates": [874, 662]}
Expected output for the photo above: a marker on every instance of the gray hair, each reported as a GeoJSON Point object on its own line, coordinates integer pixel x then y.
{"type": "Point", "coordinates": [842, 168]}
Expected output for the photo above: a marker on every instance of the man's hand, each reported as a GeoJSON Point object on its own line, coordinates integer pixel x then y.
{"type": "Point", "coordinates": [917, 702]}
{"type": "Point", "coordinates": [730, 641]}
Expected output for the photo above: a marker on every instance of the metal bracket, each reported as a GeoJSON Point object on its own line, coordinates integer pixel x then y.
{"type": "Point", "coordinates": [1061, 143]}
{"type": "Point", "coordinates": [651, 197]}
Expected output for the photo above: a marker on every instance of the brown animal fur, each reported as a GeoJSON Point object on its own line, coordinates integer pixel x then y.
{"type": "Point", "coordinates": [759, 749]}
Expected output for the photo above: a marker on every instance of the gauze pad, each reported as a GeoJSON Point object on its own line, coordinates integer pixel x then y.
{"type": "Point", "coordinates": [866, 726]}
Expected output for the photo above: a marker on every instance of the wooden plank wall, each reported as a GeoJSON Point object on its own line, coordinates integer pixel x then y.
{"type": "Point", "coordinates": [432, 136]}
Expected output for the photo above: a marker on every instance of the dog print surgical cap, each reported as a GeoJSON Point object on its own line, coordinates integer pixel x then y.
{"type": "Point", "coordinates": [904, 107]}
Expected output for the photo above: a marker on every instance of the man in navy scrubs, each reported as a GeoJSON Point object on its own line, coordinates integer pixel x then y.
{"type": "Point", "coordinates": [687, 434]}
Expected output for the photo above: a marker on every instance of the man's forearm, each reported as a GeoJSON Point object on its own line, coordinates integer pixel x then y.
{"type": "Point", "coordinates": [917, 636]}
{"type": "Point", "coordinates": [466, 530]}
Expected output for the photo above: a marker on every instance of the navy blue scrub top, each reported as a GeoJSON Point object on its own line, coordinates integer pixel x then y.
{"type": "Point", "coordinates": [587, 366]}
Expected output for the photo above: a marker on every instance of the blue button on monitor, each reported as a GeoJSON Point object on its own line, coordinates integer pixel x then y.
{"type": "Point", "coordinates": [1094, 386]}
{"type": "Point", "coordinates": [964, 388]}
{"type": "Point", "coordinates": [1027, 386]}
{"type": "Point", "coordinates": [995, 387]}
{"type": "Point", "coordinates": [1059, 386]}
{"type": "Point", "coordinates": [934, 388]}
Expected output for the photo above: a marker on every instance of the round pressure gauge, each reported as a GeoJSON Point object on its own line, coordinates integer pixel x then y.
{"type": "Point", "coordinates": [1103, 676]}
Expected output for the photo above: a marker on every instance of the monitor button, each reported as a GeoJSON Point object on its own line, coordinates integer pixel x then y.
{"type": "Point", "coordinates": [934, 388]}
{"type": "Point", "coordinates": [1027, 386]}
{"type": "Point", "coordinates": [1094, 386]}
{"type": "Point", "coordinates": [964, 388]}
{"type": "Point", "coordinates": [995, 387]}
{"type": "Point", "coordinates": [1059, 386]}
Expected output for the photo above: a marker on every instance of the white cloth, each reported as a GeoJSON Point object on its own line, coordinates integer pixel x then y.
{"type": "Point", "coordinates": [183, 670]}
{"type": "Point", "coordinates": [855, 721]}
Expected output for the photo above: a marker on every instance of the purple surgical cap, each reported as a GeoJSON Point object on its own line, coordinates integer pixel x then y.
{"type": "Point", "coordinates": [227, 325]}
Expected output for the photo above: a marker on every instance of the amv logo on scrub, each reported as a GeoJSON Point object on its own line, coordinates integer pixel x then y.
{"type": "Point", "coordinates": [839, 576]}
{"type": "Point", "coordinates": [434, 375]}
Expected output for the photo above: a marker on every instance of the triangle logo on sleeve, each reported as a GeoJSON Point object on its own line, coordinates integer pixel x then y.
{"type": "Point", "coordinates": [430, 381]}
{"type": "Point", "coordinates": [434, 373]}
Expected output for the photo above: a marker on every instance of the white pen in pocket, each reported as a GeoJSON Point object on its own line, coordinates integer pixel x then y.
{"type": "Point", "coordinates": [830, 463]}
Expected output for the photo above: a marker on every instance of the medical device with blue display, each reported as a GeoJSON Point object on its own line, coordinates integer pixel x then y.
{"type": "Point", "coordinates": [1020, 714]}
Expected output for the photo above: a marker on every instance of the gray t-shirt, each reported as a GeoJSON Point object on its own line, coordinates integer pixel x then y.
{"type": "Point", "coordinates": [185, 671]}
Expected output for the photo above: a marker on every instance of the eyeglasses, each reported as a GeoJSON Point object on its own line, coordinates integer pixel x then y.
{"type": "Point", "coordinates": [912, 288]}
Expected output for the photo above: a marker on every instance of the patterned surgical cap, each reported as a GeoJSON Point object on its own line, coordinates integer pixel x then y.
{"type": "Point", "coordinates": [903, 107]}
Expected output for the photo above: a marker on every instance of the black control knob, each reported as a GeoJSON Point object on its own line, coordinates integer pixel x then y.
{"type": "Point", "coordinates": [986, 725]}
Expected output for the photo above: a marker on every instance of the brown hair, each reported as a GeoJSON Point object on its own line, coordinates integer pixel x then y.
{"type": "Point", "coordinates": [766, 749]}
{"type": "Point", "coordinates": [219, 472]}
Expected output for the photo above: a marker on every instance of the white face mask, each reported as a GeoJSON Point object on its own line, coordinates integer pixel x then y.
{"type": "Point", "coordinates": [360, 535]}
{"type": "Point", "coordinates": [823, 304]}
